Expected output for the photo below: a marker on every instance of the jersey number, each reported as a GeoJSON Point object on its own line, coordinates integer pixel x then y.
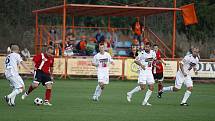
{"type": "Point", "coordinates": [7, 61]}
{"type": "Point", "coordinates": [149, 64]}
{"type": "Point", "coordinates": [104, 64]}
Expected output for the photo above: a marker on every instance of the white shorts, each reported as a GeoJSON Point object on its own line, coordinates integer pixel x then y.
{"type": "Point", "coordinates": [180, 79]}
{"type": "Point", "coordinates": [146, 77]}
{"type": "Point", "coordinates": [103, 77]}
{"type": "Point", "coordinates": [16, 82]}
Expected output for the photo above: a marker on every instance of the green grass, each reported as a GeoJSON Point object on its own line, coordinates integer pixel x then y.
{"type": "Point", "coordinates": [71, 101]}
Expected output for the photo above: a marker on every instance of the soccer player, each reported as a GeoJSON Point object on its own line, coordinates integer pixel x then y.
{"type": "Point", "coordinates": [12, 74]}
{"type": "Point", "coordinates": [157, 68]}
{"type": "Point", "coordinates": [43, 74]}
{"type": "Point", "coordinates": [188, 63]}
{"type": "Point", "coordinates": [144, 60]}
{"type": "Point", "coordinates": [101, 60]}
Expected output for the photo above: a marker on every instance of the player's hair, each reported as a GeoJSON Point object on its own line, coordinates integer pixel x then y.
{"type": "Point", "coordinates": [49, 47]}
{"type": "Point", "coordinates": [148, 43]}
{"type": "Point", "coordinates": [155, 45]}
{"type": "Point", "coordinates": [101, 44]}
{"type": "Point", "coordinates": [14, 47]}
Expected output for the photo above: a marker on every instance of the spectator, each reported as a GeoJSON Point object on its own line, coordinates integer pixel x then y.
{"type": "Point", "coordinates": [25, 54]}
{"type": "Point", "coordinates": [58, 50]}
{"type": "Point", "coordinates": [82, 46]}
{"type": "Point", "coordinates": [99, 38]}
{"type": "Point", "coordinates": [134, 52]}
{"type": "Point", "coordinates": [53, 34]}
{"type": "Point", "coordinates": [137, 28]}
{"type": "Point", "coordinates": [9, 48]}
{"type": "Point", "coordinates": [91, 47]}
{"type": "Point", "coordinates": [212, 55]}
{"type": "Point", "coordinates": [69, 48]}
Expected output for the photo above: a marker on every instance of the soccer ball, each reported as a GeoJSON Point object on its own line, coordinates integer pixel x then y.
{"type": "Point", "coordinates": [38, 101]}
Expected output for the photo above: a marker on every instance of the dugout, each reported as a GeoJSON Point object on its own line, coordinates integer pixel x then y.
{"type": "Point", "coordinates": [77, 10]}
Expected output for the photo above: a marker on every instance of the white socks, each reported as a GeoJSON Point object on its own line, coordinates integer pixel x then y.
{"type": "Point", "coordinates": [147, 96]}
{"type": "Point", "coordinates": [136, 89]}
{"type": "Point", "coordinates": [98, 91]}
{"type": "Point", "coordinates": [186, 96]}
{"type": "Point", "coordinates": [13, 94]}
{"type": "Point", "coordinates": [167, 89]}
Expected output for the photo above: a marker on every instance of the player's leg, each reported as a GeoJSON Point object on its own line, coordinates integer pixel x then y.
{"type": "Point", "coordinates": [18, 87]}
{"type": "Point", "coordinates": [160, 83]}
{"type": "Point", "coordinates": [48, 93]}
{"type": "Point", "coordinates": [103, 78]}
{"type": "Point", "coordinates": [34, 85]}
{"type": "Point", "coordinates": [141, 86]}
{"type": "Point", "coordinates": [178, 83]}
{"type": "Point", "coordinates": [148, 95]}
{"type": "Point", "coordinates": [150, 82]}
{"type": "Point", "coordinates": [189, 84]}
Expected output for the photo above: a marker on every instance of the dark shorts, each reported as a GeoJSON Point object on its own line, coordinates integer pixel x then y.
{"type": "Point", "coordinates": [158, 76]}
{"type": "Point", "coordinates": [41, 77]}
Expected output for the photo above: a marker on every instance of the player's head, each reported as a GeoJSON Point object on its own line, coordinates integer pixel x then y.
{"type": "Point", "coordinates": [101, 48]}
{"type": "Point", "coordinates": [50, 51]}
{"type": "Point", "coordinates": [15, 48]}
{"type": "Point", "coordinates": [155, 47]}
{"type": "Point", "coordinates": [147, 47]}
{"type": "Point", "coordinates": [195, 52]}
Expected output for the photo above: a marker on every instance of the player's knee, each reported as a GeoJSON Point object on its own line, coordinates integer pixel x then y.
{"type": "Point", "coordinates": [175, 89]}
{"type": "Point", "coordinates": [142, 87]}
{"type": "Point", "coordinates": [190, 88]}
{"type": "Point", "coordinates": [102, 87]}
{"type": "Point", "coordinates": [151, 87]}
{"type": "Point", "coordinates": [48, 86]}
{"type": "Point", "coordinates": [35, 85]}
{"type": "Point", "coordinates": [21, 89]}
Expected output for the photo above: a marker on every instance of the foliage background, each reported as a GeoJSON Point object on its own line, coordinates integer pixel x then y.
{"type": "Point", "coordinates": [17, 22]}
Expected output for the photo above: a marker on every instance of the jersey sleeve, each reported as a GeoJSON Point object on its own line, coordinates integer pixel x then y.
{"type": "Point", "coordinates": [52, 62]}
{"type": "Point", "coordinates": [138, 58]}
{"type": "Point", "coordinates": [185, 60]}
{"type": "Point", "coordinates": [158, 55]}
{"type": "Point", "coordinates": [154, 56]}
{"type": "Point", "coordinates": [110, 58]}
{"type": "Point", "coordinates": [19, 59]}
{"type": "Point", "coordinates": [95, 60]}
{"type": "Point", "coordinates": [37, 58]}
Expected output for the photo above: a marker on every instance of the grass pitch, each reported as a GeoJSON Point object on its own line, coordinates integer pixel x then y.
{"type": "Point", "coordinates": [71, 101]}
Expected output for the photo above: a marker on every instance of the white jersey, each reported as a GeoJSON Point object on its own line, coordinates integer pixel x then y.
{"type": "Point", "coordinates": [102, 60]}
{"type": "Point", "coordinates": [146, 59]}
{"type": "Point", "coordinates": [189, 62]}
{"type": "Point", "coordinates": [11, 64]}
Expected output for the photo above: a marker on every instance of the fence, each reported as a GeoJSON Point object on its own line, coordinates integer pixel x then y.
{"type": "Point", "coordinates": [124, 68]}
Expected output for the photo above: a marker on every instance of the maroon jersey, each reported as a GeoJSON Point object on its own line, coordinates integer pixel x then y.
{"type": "Point", "coordinates": [159, 65]}
{"type": "Point", "coordinates": [43, 62]}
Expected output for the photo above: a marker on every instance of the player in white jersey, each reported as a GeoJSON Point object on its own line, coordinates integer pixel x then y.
{"type": "Point", "coordinates": [11, 72]}
{"type": "Point", "coordinates": [101, 60]}
{"type": "Point", "coordinates": [183, 76]}
{"type": "Point", "coordinates": [144, 60]}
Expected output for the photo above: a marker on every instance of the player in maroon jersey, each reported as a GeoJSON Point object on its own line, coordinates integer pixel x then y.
{"type": "Point", "coordinates": [43, 74]}
{"type": "Point", "coordinates": [157, 69]}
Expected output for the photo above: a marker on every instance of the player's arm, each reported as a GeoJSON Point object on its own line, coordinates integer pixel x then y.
{"type": "Point", "coordinates": [137, 61]}
{"type": "Point", "coordinates": [111, 60]}
{"type": "Point", "coordinates": [195, 70]}
{"type": "Point", "coordinates": [181, 66]}
{"type": "Point", "coordinates": [162, 61]}
{"type": "Point", "coordinates": [94, 62]}
{"type": "Point", "coordinates": [26, 67]}
{"type": "Point", "coordinates": [51, 73]}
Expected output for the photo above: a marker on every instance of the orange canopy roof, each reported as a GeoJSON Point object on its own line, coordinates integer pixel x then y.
{"type": "Point", "coordinates": [104, 10]}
